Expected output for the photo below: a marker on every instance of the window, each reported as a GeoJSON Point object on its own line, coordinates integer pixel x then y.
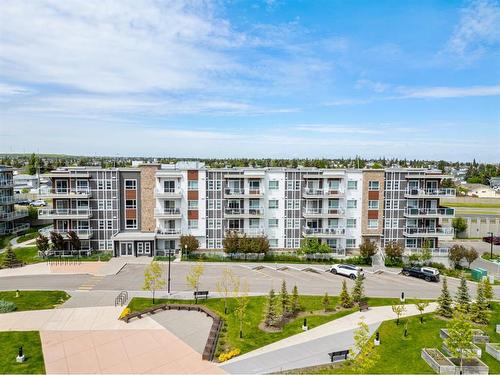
{"type": "Point", "coordinates": [214, 204]}
{"type": "Point", "coordinates": [192, 205]}
{"type": "Point", "coordinates": [130, 184]}
{"type": "Point", "coordinates": [109, 205]}
{"type": "Point", "coordinates": [147, 247]}
{"type": "Point", "coordinates": [396, 185]}
{"type": "Point", "coordinates": [130, 203]}
{"type": "Point", "coordinates": [108, 185]}
{"type": "Point", "coordinates": [395, 205]}
{"type": "Point", "coordinates": [273, 203]}
{"type": "Point", "coordinates": [140, 248]}
{"type": "Point", "coordinates": [273, 242]}
{"type": "Point", "coordinates": [352, 203]}
{"type": "Point", "coordinates": [351, 223]}
{"type": "Point", "coordinates": [210, 185]}
{"type": "Point", "coordinates": [273, 223]}
{"type": "Point", "coordinates": [372, 224]}
{"type": "Point", "coordinates": [100, 185]}
{"type": "Point", "coordinates": [388, 223]}
{"type": "Point", "coordinates": [373, 205]}
{"type": "Point", "coordinates": [350, 242]}
{"type": "Point", "coordinates": [193, 185]}
{"type": "Point", "coordinates": [193, 224]}
{"type": "Point", "coordinates": [388, 204]}
{"type": "Point", "coordinates": [273, 185]}
{"type": "Point", "coordinates": [109, 224]}
{"type": "Point", "coordinates": [101, 224]}
{"type": "Point", "coordinates": [130, 224]}
{"type": "Point", "coordinates": [254, 223]}
{"type": "Point", "coordinates": [373, 185]}
{"type": "Point", "coordinates": [352, 185]}
{"type": "Point", "coordinates": [100, 205]}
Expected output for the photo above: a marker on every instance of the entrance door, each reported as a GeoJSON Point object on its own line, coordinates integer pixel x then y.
{"type": "Point", "coordinates": [126, 249]}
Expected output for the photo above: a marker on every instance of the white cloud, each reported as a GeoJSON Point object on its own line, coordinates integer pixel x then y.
{"type": "Point", "coordinates": [478, 28]}
{"type": "Point", "coordinates": [450, 92]}
{"type": "Point", "coordinates": [7, 90]}
{"type": "Point", "coordinates": [336, 128]}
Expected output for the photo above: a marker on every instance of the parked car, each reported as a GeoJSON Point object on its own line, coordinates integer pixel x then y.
{"type": "Point", "coordinates": [426, 273]}
{"type": "Point", "coordinates": [24, 202]}
{"type": "Point", "coordinates": [38, 203]}
{"type": "Point", "coordinates": [348, 270]}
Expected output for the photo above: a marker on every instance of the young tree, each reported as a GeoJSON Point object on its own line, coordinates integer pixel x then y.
{"type": "Point", "coordinates": [10, 259]}
{"type": "Point", "coordinates": [189, 243]}
{"type": "Point", "coordinates": [456, 254]}
{"type": "Point", "coordinates": [226, 285]}
{"type": "Point", "coordinates": [271, 316]}
{"type": "Point", "coordinates": [261, 244]}
{"type": "Point", "coordinates": [231, 242]}
{"type": "Point", "coordinates": [421, 306]}
{"type": "Point", "coordinates": [194, 275]}
{"type": "Point", "coordinates": [153, 278]}
{"type": "Point", "coordinates": [294, 302]}
{"type": "Point", "coordinates": [42, 244]}
{"type": "Point", "coordinates": [459, 340]}
{"type": "Point", "coordinates": [326, 302]}
{"type": "Point", "coordinates": [459, 224]}
{"type": "Point", "coordinates": [366, 356]}
{"type": "Point", "coordinates": [487, 289]}
{"type": "Point", "coordinates": [479, 309]}
{"type": "Point", "coordinates": [358, 293]}
{"type": "Point", "coordinates": [74, 240]}
{"type": "Point", "coordinates": [426, 252]}
{"type": "Point", "coordinates": [471, 255]}
{"type": "Point", "coordinates": [462, 297]}
{"type": "Point", "coordinates": [57, 241]}
{"type": "Point", "coordinates": [398, 310]}
{"type": "Point", "coordinates": [345, 298]}
{"type": "Point", "coordinates": [394, 250]}
{"type": "Point", "coordinates": [284, 299]}
{"type": "Point", "coordinates": [368, 249]}
{"type": "Point", "coordinates": [242, 301]}
{"type": "Point", "coordinates": [445, 301]}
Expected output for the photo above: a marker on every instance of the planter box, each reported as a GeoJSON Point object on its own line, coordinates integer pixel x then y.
{"type": "Point", "coordinates": [476, 349]}
{"type": "Point", "coordinates": [493, 349]}
{"type": "Point", "coordinates": [470, 366]}
{"type": "Point", "coordinates": [477, 337]}
{"type": "Point", "coordinates": [438, 362]}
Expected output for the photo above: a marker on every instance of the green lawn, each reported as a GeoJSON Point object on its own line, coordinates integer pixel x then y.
{"type": "Point", "coordinates": [400, 355]}
{"type": "Point", "coordinates": [470, 204]}
{"type": "Point", "coordinates": [35, 300]}
{"type": "Point", "coordinates": [29, 255]}
{"type": "Point", "coordinates": [27, 237]}
{"type": "Point", "coordinates": [253, 336]}
{"type": "Point", "coordinates": [9, 344]}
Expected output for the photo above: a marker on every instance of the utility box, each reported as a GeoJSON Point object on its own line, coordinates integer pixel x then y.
{"type": "Point", "coordinates": [484, 273]}
{"type": "Point", "coordinates": [476, 274]}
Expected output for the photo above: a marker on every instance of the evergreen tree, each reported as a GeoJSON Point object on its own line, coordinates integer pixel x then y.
{"type": "Point", "coordinates": [487, 290]}
{"type": "Point", "coordinates": [479, 309]}
{"type": "Point", "coordinates": [445, 301]}
{"type": "Point", "coordinates": [294, 302]}
{"type": "Point", "coordinates": [326, 302]}
{"type": "Point", "coordinates": [271, 316]}
{"type": "Point", "coordinates": [284, 299]}
{"type": "Point", "coordinates": [462, 298]}
{"type": "Point", "coordinates": [358, 289]}
{"type": "Point", "coordinates": [10, 259]}
{"type": "Point", "coordinates": [345, 298]}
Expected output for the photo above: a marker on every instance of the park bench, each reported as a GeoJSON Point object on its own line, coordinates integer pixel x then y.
{"type": "Point", "coordinates": [363, 306]}
{"type": "Point", "coordinates": [200, 293]}
{"type": "Point", "coordinates": [338, 356]}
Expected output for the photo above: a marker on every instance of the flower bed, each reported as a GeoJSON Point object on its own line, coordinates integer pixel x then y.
{"type": "Point", "coordinates": [478, 335]}
{"type": "Point", "coordinates": [476, 349]}
{"type": "Point", "coordinates": [493, 349]}
{"type": "Point", "coordinates": [437, 361]}
{"type": "Point", "coordinates": [470, 366]}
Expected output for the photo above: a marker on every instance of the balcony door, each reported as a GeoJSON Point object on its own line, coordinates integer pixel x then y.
{"type": "Point", "coordinates": [126, 249]}
{"type": "Point", "coordinates": [61, 186]}
{"type": "Point", "coordinates": [169, 186]}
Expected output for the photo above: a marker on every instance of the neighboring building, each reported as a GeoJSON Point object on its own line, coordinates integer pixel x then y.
{"type": "Point", "coordinates": [480, 191]}
{"type": "Point", "coordinates": [144, 210]}
{"type": "Point", "coordinates": [412, 212]}
{"type": "Point", "coordinates": [25, 181]}
{"type": "Point", "coordinates": [495, 183]}
{"type": "Point", "coordinates": [10, 216]}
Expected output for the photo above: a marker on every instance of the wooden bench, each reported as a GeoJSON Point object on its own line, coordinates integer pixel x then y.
{"type": "Point", "coordinates": [200, 293]}
{"type": "Point", "coordinates": [363, 306]}
{"type": "Point", "coordinates": [338, 356]}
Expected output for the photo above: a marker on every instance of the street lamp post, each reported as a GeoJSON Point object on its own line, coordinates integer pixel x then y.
{"type": "Point", "coordinates": [186, 249]}
{"type": "Point", "coordinates": [168, 280]}
{"type": "Point", "coordinates": [491, 245]}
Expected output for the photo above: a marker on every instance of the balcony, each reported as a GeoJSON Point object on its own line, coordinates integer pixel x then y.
{"type": "Point", "coordinates": [19, 228]}
{"type": "Point", "coordinates": [83, 234]}
{"type": "Point", "coordinates": [243, 193]}
{"type": "Point", "coordinates": [250, 232]}
{"type": "Point", "coordinates": [309, 212]}
{"type": "Point", "coordinates": [168, 193]}
{"type": "Point", "coordinates": [166, 213]}
{"type": "Point", "coordinates": [5, 184]}
{"type": "Point", "coordinates": [17, 214]}
{"type": "Point", "coordinates": [445, 233]}
{"type": "Point", "coordinates": [430, 212]}
{"type": "Point", "coordinates": [80, 193]}
{"type": "Point", "coordinates": [430, 193]}
{"type": "Point", "coordinates": [323, 232]}
{"type": "Point", "coordinates": [243, 212]}
{"type": "Point", "coordinates": [436, 251]}
{"type": "Point", "coordinates": [7, 200]}
{"type": "Point", "coordinates": [64, 213]}
{"type": "Point", "coordinates": [168, 232]}
{"type": "Point", "coordinates": [322, 193]}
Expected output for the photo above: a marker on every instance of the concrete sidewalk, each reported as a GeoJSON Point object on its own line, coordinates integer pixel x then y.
{"type": "Point", "coordinates": [311, 348]}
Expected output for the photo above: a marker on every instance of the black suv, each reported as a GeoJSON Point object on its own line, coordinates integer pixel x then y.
{"type": "Point", "coordinates": [426, 273]}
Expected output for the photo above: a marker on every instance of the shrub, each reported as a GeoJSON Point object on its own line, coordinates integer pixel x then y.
{"type": "Point", "coordinates": [124, 313]}
{"type": "Point", "coordinates": [368, 249]}
{"type": "Point", "coordinates": [6, 306]}
{"type": "Point", "coordinates": [226, 356]}
{"type": "Point", "coordinates": [457, 253]}
{"type": "Point", "coordinates": [189, 243]}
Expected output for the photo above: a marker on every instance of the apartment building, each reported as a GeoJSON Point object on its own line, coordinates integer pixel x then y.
{"type": "Point", "coordinates": [10, 217]}
{"type": "Point", "coordinates": [144, 210]}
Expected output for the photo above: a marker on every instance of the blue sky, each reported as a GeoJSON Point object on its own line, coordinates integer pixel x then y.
{"type": "Point", "coordinates": [414, 79]}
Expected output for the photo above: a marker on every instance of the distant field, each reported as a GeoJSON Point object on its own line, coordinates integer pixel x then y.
{"type": "Point", "coordinates": [471, 205]}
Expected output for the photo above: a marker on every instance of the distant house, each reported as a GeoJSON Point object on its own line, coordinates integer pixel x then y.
{"type": "Point", "coordinates": [495, 183]}
{"type": "Point", "coordinates": [25, 181]}
{"type": "Point", "coordinates": [481, 191]}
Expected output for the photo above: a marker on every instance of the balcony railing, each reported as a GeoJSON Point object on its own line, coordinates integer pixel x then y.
{"type": "Point", "coordinates": [46, 213]}
{"type": "Point", "coordinates": [322, 192]}
{"type": "Point", "coordinates": [18, 228]}
{"type": "Point", "coordinates": [436, 251]}
{"type": "Point", "coordinates": [260, 231]}
{"type": "Point", "coordinates": [243, 211]}
{"type": "Point", "coordinates": [441, 211]}
{"type": "Point", "coordinates": [6, 183]}
{"type": "Point", "coordinates": [323, 231]}
{"type": "Point", "coordinates": [7, 200]}
{"type": "Point", "coordinates": [168, 193]}
{"type": "Point", "coordinates": [323, 211]}
{"type": "Point", "coordinates": [76, 192]}
{"type": "Point", "coordinates": [241, 191]}
{"type": "Point", "coordinates": [437, 192]}
{"type": "Point", "coordinates": [81, 233]}
{"type": "Point", "coordinates": [167, 212]}
{"type": "Point", "coordinates": [168, 232]}
{"type": "Point", "coordinates": [17, 214]}
{"type": "Point", "coordinates": [411, 231]}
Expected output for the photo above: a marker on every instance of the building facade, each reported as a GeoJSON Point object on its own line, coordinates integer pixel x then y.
{"type": "Point", "coordinates": [11, 218]}
{"type": "Point", "coordinates": [144, 210]}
